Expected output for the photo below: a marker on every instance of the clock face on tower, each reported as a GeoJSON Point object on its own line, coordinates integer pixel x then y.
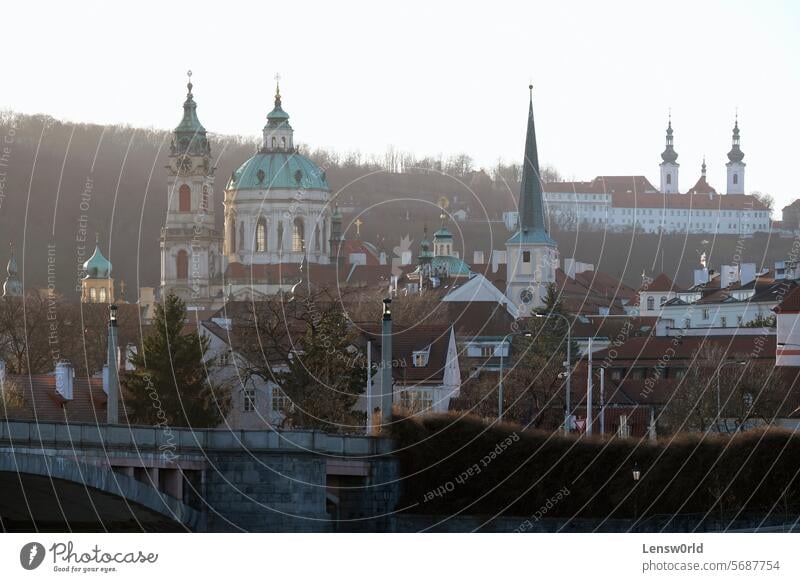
{"type": "Point", "coordinates": [526, 296]}
{"type": "Point", "coordinates": [184, 164]}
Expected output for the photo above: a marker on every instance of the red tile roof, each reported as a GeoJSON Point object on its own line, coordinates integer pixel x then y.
{"type": "Point", "coordinates": [41, 402]}
{"type": "Point", "coordinates": [687, 201]}
{"type": "Point", "coordinates": [702, 187]}
{"type": "Point", "coordinates": [790, 303]}
{"type": "Point", "coordinates": [661, 283]}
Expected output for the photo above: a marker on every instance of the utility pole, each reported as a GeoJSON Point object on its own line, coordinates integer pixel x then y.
{"type": "Point", "coordinates": [589, 393]}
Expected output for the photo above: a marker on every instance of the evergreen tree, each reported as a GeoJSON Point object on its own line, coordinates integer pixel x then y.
{"type": "Point", "coordinates": [170, 385]}
{"type": "Point", "coordinates": [324, 376]}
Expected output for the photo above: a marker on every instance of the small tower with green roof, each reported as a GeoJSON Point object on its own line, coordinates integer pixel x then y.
{"type": "Point", "coordinates": [97, 286]}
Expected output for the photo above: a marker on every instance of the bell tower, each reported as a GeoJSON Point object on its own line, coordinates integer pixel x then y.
{"type": "Point", "coordinates": [532, 254]}
{"type": "Point", "coordinates": [669, 165]}
{"type": "Point", "coordinates": [735, 165]}
{"type": "Point", "coordinates": [190, 244]}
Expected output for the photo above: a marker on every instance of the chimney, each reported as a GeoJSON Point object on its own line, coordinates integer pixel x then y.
{"type": "Point", "coordinates": [701, 276]}
{"type": "Point", "coordinates": [111, 369]}
{"type": "Point", "coordinates": [728, 275]}
{"type": "Point", "coordinates": [747, 273]}
{"type": "Point", "coordinates": [64, 380]}
{"type": "Point", "coordinates": [387, 388]}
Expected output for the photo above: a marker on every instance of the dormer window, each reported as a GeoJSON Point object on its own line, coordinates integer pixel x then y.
{"type": "Point", "coordinates": [420, 357]}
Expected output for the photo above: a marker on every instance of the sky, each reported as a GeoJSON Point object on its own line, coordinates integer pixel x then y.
{"type": "Point", "coordinates": [435, 79]}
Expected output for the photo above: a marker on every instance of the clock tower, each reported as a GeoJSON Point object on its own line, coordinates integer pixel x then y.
{"type": "Point", "coordinates": [531, 254]}
{"type": "Point", "coordinates": [190, 243]}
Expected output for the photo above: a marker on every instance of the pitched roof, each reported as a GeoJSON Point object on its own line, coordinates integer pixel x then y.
{"type": "Point", "coordinates": [603, 185]}
{"type": "Point", "coordinates": [686, 201]}
{"type": "Point", "coordinates": [42, 403]}
{"type": "Point", "coordinates": [405, 341]}
{"type": "Point", "coordinates": [319, 275]}
{"type": "Point", "coordinates": [702, 187]}
{"type": "Point", "coordinates": [661, 283]}
{"type": "Point", "coordinates": [790, 303]}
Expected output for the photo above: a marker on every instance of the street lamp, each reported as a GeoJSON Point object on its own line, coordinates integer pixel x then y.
{"type": "Point", "coordinates": [719, 374]}
{"type": "Point", "coordinates": [500, 383]}
{"type": "Point", "coordinates": [567, 365]}
{"type": "Point", "coordinates": [636, 475]}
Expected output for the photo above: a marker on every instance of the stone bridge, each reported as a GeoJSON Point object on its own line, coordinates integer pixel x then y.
{"type": "Point", "coordinates": [85, 477]}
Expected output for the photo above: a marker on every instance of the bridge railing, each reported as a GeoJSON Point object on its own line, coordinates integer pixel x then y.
{"type": "Point", "coordinates": [76, 435]}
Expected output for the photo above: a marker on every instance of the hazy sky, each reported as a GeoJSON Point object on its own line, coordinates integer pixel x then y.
{"type": "Point", "coordinates": [435, 78]}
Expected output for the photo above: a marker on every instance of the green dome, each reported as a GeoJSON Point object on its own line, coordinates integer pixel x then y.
{"type": "Point", "coordinates": [451, 265]}
{"type": "Point", "coordinates": [97, 267]}
{"type": "Point", "coordinates": [442, 233]}
{"type": "Point", "coordinates": [278, 170]}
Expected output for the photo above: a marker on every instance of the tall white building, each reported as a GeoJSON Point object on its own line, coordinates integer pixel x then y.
{"type": "Point", "coordinates": [190, 244]}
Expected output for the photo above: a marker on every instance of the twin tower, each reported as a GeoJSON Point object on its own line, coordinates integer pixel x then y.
{"type": "Point", "coordinates": [735, 165]}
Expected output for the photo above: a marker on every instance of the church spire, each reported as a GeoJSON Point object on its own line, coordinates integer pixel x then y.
{"type": "Point", "coordinates": [531, 205]}
{"type": "Point", "coordinates": [703, 168]}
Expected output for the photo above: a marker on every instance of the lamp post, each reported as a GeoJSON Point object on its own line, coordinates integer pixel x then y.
{"type": "Point", "coordinates": [719, 374]}
{"type": "Point", "coordinates": [567, 366]}
{"type": "Point", "coordinates": [636, 476]}
{"type": "Point", "coordinates": [500, 382]}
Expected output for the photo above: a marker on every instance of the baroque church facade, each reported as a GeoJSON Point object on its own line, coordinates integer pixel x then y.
{"type": "Point", "coordinates": [277, 211]}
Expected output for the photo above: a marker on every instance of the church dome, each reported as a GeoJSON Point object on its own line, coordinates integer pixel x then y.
{"type": "Point", "coordinates": [97, 267]}
{"type": "Point", "coordinates": [267, 170]}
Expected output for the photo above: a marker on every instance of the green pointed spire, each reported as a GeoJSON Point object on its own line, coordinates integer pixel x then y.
{"type": "Point", "coordinates": [531, 205]}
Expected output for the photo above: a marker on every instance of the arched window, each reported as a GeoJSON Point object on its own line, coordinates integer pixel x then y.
{"type": "Point", "coordinates": [651, 303]}
{"type": "Point", "coordinates": [669, 178]}
{"type": "Point", "coordinates": [261, 236]}
{"type": "Point", "coordinates": [662, 301]}
{"type": "Point", "coordinates": [184, 198]}
{"type": "Point", "coordinates": [298, 236]}
{"type": "Point", "coordinates": [231, 235]}
{"type": "Point", "coordinates": [736, 178]}
{"type": "Point", "coordinates": [182, 265]}
{"type": "Point", "coordinates": [102, 295]}
{"type": "Point", "coordinates": [93, 295]}
{"type": "Point", "coordinates": [280, 235]}
{"type": "Point", "coordinates": [283, 142]}
{"type": "Point", "coordinates": [274, 142]}
{"type": "Point", "coordinates": [316, 238]}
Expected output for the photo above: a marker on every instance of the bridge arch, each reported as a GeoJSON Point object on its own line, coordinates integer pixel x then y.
{"type": "Point", "coordinates": [49, 492]}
